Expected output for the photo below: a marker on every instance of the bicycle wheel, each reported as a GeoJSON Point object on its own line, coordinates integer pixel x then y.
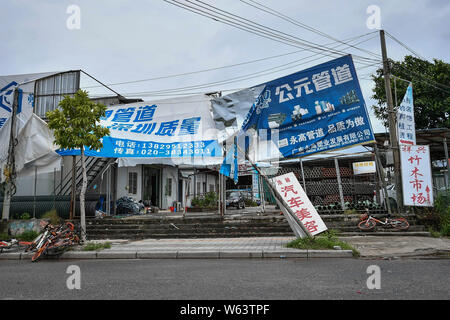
{"type": "Point", "coordinates": [367, 225]}
{"type": "Point", "coordinates": [39, 252]}
{"type": "Point", "coordinates": [400, 224]}
{"type": "Point", "coordinates": [34, 243]}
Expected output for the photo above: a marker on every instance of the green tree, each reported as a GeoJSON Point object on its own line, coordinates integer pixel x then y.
{"type": "Point", "coordinates": [76, 126]}
{"type": "Point", "coordinates": [431, 91]}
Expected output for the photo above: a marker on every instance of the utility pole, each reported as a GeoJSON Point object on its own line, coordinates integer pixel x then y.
{"type": "Point", "coordinates": [10, 165]}
{"type": "Point", "coordinates": [392, 121]}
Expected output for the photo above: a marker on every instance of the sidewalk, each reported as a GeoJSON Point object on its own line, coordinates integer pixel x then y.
{"type": "Point", "coordinates": [256, 247]}
{"type": "Point", "coordinates": [398, 246]}
{"type": "Point", "coordinates": [216, 248]}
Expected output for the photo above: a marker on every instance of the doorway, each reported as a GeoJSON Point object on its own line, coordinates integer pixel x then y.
{"type": "Point", "coordinates": [151, 185]}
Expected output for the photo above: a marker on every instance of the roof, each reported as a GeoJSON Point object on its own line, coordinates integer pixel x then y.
{"type": "Point", "coordinates": [434, 138]}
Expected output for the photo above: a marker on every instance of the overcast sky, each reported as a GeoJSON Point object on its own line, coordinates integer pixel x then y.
{"type": "Point", "coordinates": [122, 40]}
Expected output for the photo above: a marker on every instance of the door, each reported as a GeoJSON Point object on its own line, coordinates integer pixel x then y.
{"type": "Point", "coordinates": [151, 185]}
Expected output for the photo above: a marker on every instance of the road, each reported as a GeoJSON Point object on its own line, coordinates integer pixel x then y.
{"type": "Point", "coordinates": [257, 279]}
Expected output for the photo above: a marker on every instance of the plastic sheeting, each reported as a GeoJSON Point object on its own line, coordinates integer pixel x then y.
{"type": "Point", "coordinates": [205, 161]}
{"type": "Point", "coordinates": [35, 148]}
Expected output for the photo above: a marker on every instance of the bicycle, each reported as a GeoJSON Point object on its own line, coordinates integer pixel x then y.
{"type": "Point", "coordinates": [54, 240]}
{"type": "Point", "coordinates": [368, 223]}
{"type": "Point", "coordinates": [13, 244]}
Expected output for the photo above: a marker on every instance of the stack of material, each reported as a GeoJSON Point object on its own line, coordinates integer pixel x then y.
{"type": "Point", "coordinates": [126, 205]}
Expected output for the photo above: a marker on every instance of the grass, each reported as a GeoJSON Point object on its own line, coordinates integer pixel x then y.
{"type": "Point", "coordinates": [53, 216]}
{"type": "Point", "coordinates": [325, 241]}
{"type": "Point", "coordinates": [25, 236]}
{"type": "Point", "coordinates": [95, 246]}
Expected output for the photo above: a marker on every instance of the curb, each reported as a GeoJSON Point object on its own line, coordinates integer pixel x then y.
{"type": "Point", "coordinates": [221, 254]}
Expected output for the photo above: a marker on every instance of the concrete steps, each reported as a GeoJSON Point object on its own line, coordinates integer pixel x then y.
{"type": "Point", "coordinates": [232, 226]}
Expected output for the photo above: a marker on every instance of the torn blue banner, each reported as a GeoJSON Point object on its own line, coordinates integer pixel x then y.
{"type": "Point", "coordinates": [315, 110]}
{"type": "Point", "coordinates": [230, 166]}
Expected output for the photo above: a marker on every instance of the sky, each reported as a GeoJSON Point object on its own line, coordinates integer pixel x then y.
{"type": "Point", "coordinates": [120, 41]}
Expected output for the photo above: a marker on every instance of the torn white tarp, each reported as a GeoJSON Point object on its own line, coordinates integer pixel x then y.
{"type": "Point", "coordinates": [23, 87]}
{"type": "Point", "coordinates": [35, 147]}
{"type": "Point", "coordinates": [230, 111]}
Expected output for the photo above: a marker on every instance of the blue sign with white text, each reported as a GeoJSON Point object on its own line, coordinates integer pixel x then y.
{"type": "Point", "coordinates": [173, 128]}
{"type": "Point", "coordinates": [315, 110]}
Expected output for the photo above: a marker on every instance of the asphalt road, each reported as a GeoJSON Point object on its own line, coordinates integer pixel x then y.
{"type": "Point", "coordinates": [258, 279]}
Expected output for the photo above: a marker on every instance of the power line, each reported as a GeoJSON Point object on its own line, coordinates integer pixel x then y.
{"type": "Point", "coordinates": [257, 29]}
{"type": "Point", "coordinates": [244, 77]}
{"type": "Point", "coordinates": [221, 67]}
{"type": "Point", "coordinates": [428, 80]}
{"type": "Point", "coordinates": [278, 14]}
{"type": "Point", "coordinates": [309, 43]}
{"type": "Point", "coordinates": [423, 81]}
{"type": "Point", "coordinates": [405, 46]}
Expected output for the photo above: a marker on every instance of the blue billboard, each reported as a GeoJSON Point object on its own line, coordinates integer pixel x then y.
{"type": "Point", "coordinates": [315, 110]}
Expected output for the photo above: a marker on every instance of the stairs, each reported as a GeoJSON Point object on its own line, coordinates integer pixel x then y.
{"type": "Point", "coordinates": [95, 167]}
{"type": "Point", "coordinates": [273, 225]}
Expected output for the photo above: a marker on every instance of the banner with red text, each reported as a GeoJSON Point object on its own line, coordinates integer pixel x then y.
{"type": "Point", "coordinates": [417, 180]}
{"type": "Point", "coordinates": [295, 197]}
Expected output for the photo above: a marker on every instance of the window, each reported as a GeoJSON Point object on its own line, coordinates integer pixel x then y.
{"type": "Point", "coordinates": [51, 90]}
{"type": "Point", "coordinates": [168, 187]}
{"type": "Point", "coordinates": [211, 188]}
{"type": "Point", "coordinates": [132, 182]}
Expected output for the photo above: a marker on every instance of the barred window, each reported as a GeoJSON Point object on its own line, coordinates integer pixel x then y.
{"type": "Point", "coordinates": [132, 182]}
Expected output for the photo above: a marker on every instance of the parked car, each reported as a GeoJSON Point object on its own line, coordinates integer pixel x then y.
{"type": "Point", "coordinates": [235, 199]}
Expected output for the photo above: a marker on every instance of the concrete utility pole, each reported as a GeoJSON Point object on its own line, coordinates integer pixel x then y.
{"type": "Point", "coordinates": [10, 165]}
{"type": "Point", "coordinates": [392, 121]}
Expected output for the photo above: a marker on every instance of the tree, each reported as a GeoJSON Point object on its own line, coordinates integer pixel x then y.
{"type": "Point", "coordinates": [76, 126]}
{"type": "Point", "coordinates": [431, 90]}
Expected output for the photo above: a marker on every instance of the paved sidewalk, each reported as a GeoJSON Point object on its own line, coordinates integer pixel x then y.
{"type": "Point", "coordinates": [398, 246]}
{"type": "Point", "coordinates": [256, 247]}
{"type": "Point", "coordinates": [368, 246]}
{"type": "Point", "coordinates": [217, 248]}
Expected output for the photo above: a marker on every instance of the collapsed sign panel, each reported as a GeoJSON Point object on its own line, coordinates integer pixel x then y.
{"type": "Point", "coordinates": [315, 110]}
{"type": "Point", "coordinates": [296, 199]}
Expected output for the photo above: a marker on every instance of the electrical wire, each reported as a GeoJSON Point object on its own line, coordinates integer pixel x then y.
{"type": "Point", "coordinates": [258, 29]}
{"type": "Point", "coordinates": [243, 77]}
{"type": "Point", "coordinates": [278, 14]}
{"type": "Point", "coordinates": [221, 67]}
{"type": "Point", "coordinates": [405, 46]}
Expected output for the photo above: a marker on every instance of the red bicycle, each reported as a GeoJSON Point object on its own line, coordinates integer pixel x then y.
{"type": "Point", "coordinates": [368, 223]}
{"type": "Point", "coordinates": [54, 240]}
{"type": "Point", "coordinates": [13, 245]}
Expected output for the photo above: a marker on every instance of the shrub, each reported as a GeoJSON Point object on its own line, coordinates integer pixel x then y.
{"type": "Point", "coordinates": [442, 211]}
{"type": "Point", "coordinates": [53, 216]}
{"type": "Point", "coordinates": [25, 216]}
{"type": "Point", "coordinates": [97, 246]}
{"type": "Point", "coordinates": [27, 236]}
{"type": "Point", "coordinates": [325, 241]}
{"type": "Point", "coordinates": [209, 200]}
{"type": "Point", "coordinates": [250, 203]}
{"type": "Point", "coordinates": [5, 236]}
